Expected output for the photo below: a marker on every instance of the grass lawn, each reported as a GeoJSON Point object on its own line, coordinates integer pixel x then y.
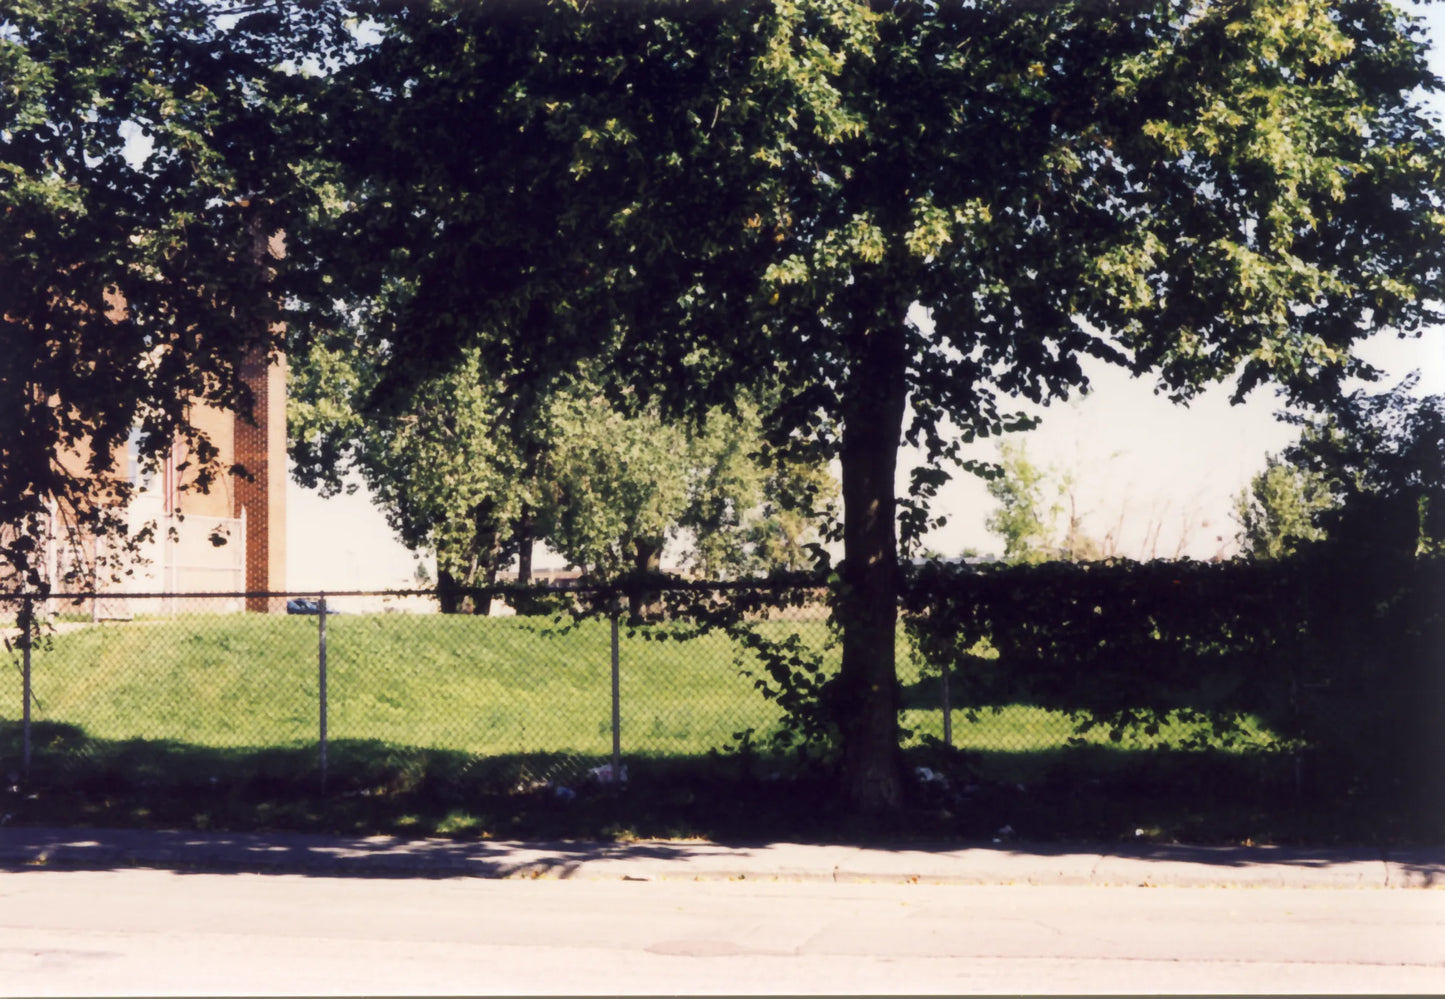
{"type": "Point", "coordinates": [483, 686]}
{"type": "Point", "coordinates": [466, 726]}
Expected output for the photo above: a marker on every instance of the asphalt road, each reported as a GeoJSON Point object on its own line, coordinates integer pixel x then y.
{"type": "Point", "coordinates": [117, 932]}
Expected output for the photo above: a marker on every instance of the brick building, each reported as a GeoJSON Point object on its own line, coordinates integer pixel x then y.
{"type": "Point", "coordinates": [255, 506]}
{"type": "Point", "coordinates": [228, 539]}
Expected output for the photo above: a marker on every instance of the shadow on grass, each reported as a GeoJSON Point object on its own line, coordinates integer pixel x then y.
{"type": "Point", "coordinates": [1099, 794]}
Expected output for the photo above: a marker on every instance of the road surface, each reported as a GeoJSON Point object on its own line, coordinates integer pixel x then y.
{"type": "Point", "coordinates": [124, 932]}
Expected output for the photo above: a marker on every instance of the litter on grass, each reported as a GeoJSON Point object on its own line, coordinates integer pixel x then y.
{"type": "Point", "coordinates": [604, 774]}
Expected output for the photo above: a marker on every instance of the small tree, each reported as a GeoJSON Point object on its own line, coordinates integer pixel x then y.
{"type": "Point", "coordinates": [444, 469]}
{"type": "Point", "coordinates": [1029, 507]}
{"type": "Point", "coordinates": [1280, 510]}
{"type": "Point", "coordinates": [474, 469]}
{"type": "Point", "coordinates": [1031, 502]}
{"type": "Point", "coordinates": [1368, 472]}
{"type": "Point", "coordinates": [1381, 456]}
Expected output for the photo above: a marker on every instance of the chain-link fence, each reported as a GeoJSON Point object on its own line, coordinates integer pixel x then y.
{"type": "Point", "coordinates": [374, 689]}
{"type": "Point", "coordinates": [365, 687]}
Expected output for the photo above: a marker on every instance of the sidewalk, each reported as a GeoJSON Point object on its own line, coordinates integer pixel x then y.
{"type": "Point", "coordinates": [1014, 863]}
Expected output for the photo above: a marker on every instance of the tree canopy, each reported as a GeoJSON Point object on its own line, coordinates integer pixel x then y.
{"type": "Point", "coordinates": [141, 169]}
{"type": "Point", "coordinates": [714, 196]}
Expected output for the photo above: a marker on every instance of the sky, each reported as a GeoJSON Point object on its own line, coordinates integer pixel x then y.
{"type": "Point", "coordinates": [1162, 476]}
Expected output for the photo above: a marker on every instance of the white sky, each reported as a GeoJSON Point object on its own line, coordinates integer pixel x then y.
{"type": "Point", "coordinates": [1137, 460]}
{"type": "Point", "coordinates": [1141, 463]}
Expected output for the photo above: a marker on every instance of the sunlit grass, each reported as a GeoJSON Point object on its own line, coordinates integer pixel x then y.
{"type": "Point", "coordinates": [1026, 728]}
{"type": "Point", "coordinates": [477, 685]}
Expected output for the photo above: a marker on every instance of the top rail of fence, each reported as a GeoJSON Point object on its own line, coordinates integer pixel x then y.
{"type": "Point", "coordinates": [623, 586]}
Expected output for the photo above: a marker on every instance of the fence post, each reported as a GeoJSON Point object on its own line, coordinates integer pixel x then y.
{"type": "Point", "coordinates": [27, 623]}
{"type": "Point", "coordinates": [321, 683]}
{"type": "Point", "coordinates": [947, 710]}
{"type": "Point", "coordinates": [616, 706]}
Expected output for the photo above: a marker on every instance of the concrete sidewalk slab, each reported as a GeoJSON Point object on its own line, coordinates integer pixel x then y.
{"type": "Point", "coordinates": [1255, 867]}
{"type": "Point", "coordinates": [1014, 863]}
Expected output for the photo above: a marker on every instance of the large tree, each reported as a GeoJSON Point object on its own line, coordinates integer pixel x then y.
{"type": "Point", "coordinates": [143, 163]}
{"type": "Point", "coordinates": [738, 194]}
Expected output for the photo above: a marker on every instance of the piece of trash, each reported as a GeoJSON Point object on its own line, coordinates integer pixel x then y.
{"type": "Point", "coordinates": [562, 793]}
{"type": "Point", "coordinates": [604, 775]}
{"type": "Point", "coordinates": [930, 776]}
{"type": "Point", "coordinates": [1138, 832]}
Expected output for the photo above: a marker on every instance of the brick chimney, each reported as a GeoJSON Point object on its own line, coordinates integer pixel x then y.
{"type": "Point", "coordinates": [261, 450]}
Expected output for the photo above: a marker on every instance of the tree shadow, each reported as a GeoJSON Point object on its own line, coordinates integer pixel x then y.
{"type": "Point", "coordinates": [317, 854]}
{"type": "Point", "coordinates": [1066, 794]}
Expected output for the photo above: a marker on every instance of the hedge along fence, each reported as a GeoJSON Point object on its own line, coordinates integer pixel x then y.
{"type": "Point", "coordinates": [1338, 655]}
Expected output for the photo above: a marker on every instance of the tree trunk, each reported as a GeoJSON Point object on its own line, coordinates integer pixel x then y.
{"type": "Point", "coordinates": [448, 599]}
{"type": "Point", "coordinates": [647, 557]}
{"type": "Point", "coordinates": [524, 546]}
{"type": "Point", "coordinates": [647, 554]}
{"type": "Point", "coordinates": [484, 558]}
{"type": "Point", "coordinates": [867, 696]}
{"type": "Point", "coordinates": [482, 605]}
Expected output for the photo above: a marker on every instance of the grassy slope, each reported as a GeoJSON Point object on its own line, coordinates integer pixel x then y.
{"type": "Point", "coordinates": [476, 685]}
{"type": "Point", "coordinates": [483, 686]}
{"type": "Point", "coordinates": [435, 722]}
